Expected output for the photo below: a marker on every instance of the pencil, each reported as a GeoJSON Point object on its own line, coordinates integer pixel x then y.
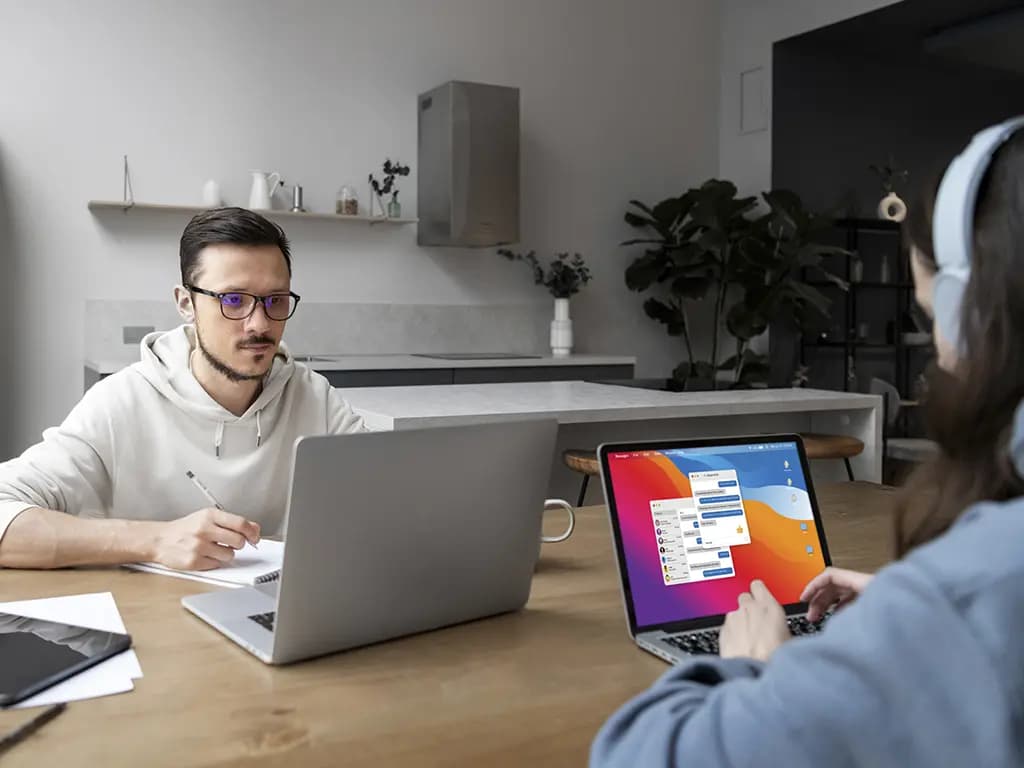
{"type": "Point", "coordinates": [27, 729]}
{"type": "Point", "coordinates": [205, 491]}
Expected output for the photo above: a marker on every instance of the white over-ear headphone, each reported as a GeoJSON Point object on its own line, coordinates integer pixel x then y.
{"type": "Point", "coordinates": [953, 241]}
{"type": "Point", "coordinates": [953, 224]}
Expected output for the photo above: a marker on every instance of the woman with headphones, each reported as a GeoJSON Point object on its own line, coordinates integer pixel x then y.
{"type": "Point", "coordinates": [926, 668]}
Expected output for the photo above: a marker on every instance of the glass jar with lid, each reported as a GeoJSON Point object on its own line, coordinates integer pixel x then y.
{"type": "Point", "coordinates": [348, 202]}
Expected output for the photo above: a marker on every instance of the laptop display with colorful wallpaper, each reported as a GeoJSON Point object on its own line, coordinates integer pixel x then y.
{"type": "Point", "coordinates": [695, 521]}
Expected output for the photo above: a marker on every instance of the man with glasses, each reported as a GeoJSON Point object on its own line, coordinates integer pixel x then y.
{"type": "Point", "coordinates": [185, 456]}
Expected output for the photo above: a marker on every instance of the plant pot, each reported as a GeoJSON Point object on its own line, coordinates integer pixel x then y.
{"type": "Point", "coordinates": [561, 329]}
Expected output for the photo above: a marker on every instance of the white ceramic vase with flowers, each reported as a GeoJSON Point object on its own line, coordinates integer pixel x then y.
{"type": "Point", "coordinates": [564, 277]}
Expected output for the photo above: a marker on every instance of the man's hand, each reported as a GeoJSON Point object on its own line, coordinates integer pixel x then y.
{"type": "Point", "coordinates": [203, 540]}
{"type": "Point", "coordinates": [756, 628]}
{"type": "Point", "coordinates": [832, 587]}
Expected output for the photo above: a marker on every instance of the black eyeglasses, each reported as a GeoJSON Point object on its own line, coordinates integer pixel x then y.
{"type": "Point", "coordinates": [238, 305]}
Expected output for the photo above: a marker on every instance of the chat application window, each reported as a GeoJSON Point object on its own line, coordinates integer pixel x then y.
{"type": "Point", "coordinates": [718, 500]}
{"type": "Point", "coordinates": [681, 551]}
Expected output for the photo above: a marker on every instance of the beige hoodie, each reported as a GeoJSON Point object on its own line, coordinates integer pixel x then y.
{"type": "Point", "coordinates": [123, 451]}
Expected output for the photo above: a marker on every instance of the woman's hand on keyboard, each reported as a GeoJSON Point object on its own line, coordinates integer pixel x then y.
{"type": "Point", "coordinates": [833, 587]}
{"type": "Point", "coordinates": [756, 628]}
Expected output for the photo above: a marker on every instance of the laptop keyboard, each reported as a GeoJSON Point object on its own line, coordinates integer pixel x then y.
{"type": "Point", "coordinates": [264, 620]}
{"type": "Point", "coordinates": [706, 641]}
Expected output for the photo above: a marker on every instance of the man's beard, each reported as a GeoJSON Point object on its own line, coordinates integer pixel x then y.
{"type": "Point", "coordinates": [223, 368]}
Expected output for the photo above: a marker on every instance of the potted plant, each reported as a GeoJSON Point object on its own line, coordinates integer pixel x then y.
{"type": "Point", "coordinates": [387, 187]}
{"type": "Point", "coordinates": [563, 277]}
{"type": "Point", "coordinates": [710, 253]}
{"type": "Point", "coordinates": [891, 206]}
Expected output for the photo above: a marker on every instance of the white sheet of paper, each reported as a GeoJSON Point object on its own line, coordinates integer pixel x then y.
{"type": "Point", "coordinates": [96, 610]}
{"type": "Point", "coordinates": [248, 564]}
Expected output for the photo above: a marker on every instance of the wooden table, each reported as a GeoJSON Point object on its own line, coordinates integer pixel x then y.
{"type": "Point", "coordinates": [529, 688]}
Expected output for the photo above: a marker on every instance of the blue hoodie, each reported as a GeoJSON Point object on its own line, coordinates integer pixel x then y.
{"type": "Point", "coordinates": [926, 668]}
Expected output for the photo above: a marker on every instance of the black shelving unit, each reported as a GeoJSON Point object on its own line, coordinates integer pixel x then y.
{"type": "Point", "coordinates": [877, 295]}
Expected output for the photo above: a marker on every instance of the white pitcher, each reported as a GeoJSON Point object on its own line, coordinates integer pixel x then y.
{"type": "Point", "coordinates": [259, 195]}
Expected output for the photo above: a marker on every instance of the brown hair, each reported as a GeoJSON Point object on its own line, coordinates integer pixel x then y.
{"type": "Point", "coordinates": [969, 412]}
{"type": "Point", "coordinates": [238, 226]}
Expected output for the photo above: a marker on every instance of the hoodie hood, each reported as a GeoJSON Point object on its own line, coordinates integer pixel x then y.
{"type": "Point", "coordinates": [165, 365]}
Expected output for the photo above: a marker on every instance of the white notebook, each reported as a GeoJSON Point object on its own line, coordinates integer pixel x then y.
{"type": "Point", "coordinates": [251, 566]}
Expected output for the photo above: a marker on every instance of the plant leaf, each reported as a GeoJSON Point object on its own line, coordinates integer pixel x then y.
{"type": "Point", "coordinates": [673, 319]}
{"type": "Point", "coordinates": [646, 270]}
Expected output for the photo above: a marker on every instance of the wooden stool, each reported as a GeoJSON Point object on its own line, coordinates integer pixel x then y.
{"type": "Point", "coordinates": [584, 462]}
{"type": "Point", "coordinates": [843, 447]}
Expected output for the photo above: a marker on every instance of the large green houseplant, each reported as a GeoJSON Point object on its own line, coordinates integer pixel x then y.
{"type": "Point", "coordinates": [708, 251]}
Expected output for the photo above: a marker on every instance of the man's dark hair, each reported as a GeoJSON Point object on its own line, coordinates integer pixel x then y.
{"type": "Point", "coordinates": [238, 226]}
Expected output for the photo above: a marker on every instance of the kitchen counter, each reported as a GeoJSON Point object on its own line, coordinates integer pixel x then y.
{"type": "Point", "coordinates": [590, 413]}
{"type": "Point", "coordinates": [571, 402]}
{"type": "Point", "coordinates": [395, 362]}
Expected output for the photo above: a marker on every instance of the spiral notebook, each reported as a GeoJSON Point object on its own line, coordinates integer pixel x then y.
{"type": "Point", "coordinates": [251, 566]}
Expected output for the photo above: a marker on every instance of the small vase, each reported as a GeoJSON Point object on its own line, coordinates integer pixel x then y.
{"type": "Point", "coordinates": [394, 210]}
{"type": "Point", "coordinates": [892, 207]}
{"type": "Point", "coordinates": [561, 329]}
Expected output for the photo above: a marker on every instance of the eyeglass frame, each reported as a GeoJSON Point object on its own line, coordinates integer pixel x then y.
{"type": "Point", "coordinates": [258, 300]}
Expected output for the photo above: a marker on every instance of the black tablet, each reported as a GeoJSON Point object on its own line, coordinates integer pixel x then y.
{"type": "Point", "coordinates": [35, 654]}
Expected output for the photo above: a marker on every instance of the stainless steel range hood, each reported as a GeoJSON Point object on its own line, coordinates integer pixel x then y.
{"type": "Point", "coordinates": [468, 177]}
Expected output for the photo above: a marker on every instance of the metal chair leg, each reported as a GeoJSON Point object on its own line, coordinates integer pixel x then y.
{"type": "Point", "coordinates": [849, 469]}
{"type": "Point", "coordinates": [583, 490]}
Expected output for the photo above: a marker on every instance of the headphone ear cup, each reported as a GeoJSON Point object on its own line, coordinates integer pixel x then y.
{"type": "Point", "coordinates": [1016, 447]}
{"type": "Point", "coordinates": [947, 298]}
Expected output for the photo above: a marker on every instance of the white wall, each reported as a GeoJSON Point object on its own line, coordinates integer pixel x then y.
{"type": "Point", "coordinates": [749, 28]}
{"type": "Point", "coordinates": [619, 100]}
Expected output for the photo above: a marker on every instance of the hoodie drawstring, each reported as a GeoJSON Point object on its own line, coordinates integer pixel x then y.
{"type": "Point", "coordinates": [219, 439]}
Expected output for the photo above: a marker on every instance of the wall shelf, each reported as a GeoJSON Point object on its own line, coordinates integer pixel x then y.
{"type": "Point", "coordinates": [106, 206]}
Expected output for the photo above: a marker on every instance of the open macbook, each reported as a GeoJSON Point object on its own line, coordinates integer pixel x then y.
{"type": "Point", "coordinates": [695, 521]}
{"type": "Point", "coordinates": [391, 533]}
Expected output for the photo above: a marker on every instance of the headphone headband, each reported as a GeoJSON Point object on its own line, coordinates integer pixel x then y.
{"type": "Point", "coordinates": [953, 220]}
{"type": "Point", "coordinates": [953, 223]}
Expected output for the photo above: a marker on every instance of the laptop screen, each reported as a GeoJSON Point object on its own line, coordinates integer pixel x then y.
{"type": "Point", "coordinates": [696, 523]}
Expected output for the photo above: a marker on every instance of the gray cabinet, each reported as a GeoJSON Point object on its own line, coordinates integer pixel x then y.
{"type": "Point", "coordinates": [541, 373]}
{"type": "Point", "coordinates": [388, 377]}
{"type": "Point", "coordinates": [417, 376]}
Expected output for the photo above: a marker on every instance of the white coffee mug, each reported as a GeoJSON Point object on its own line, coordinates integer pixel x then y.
{"type": "Point", "coordinates": [550, 503]}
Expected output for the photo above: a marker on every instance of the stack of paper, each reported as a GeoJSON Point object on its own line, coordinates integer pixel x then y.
{"type": "Point", "coordinates": [95, 611]}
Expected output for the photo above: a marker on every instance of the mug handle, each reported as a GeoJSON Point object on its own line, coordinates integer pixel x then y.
{"type": "Point", "coordinates": [572, 520]}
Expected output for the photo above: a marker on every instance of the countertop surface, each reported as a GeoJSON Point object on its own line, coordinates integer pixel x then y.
{"type": "Point", "coordinates": [394, 362]}
{"type": "Point", "coordinates": [580, 401]}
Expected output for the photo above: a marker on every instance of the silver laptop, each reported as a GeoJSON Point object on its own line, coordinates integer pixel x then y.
{"type": "Point", "coordinates": [393, 533]}
{"type": "Point", "coordinates": [695, 521]}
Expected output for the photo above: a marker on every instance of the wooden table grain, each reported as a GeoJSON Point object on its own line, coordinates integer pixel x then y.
{"type": "Point", "coordinates": [529, 688]}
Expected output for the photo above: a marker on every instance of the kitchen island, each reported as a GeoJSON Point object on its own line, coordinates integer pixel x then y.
{"type": "Point", "coordinates": [590, 413]}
